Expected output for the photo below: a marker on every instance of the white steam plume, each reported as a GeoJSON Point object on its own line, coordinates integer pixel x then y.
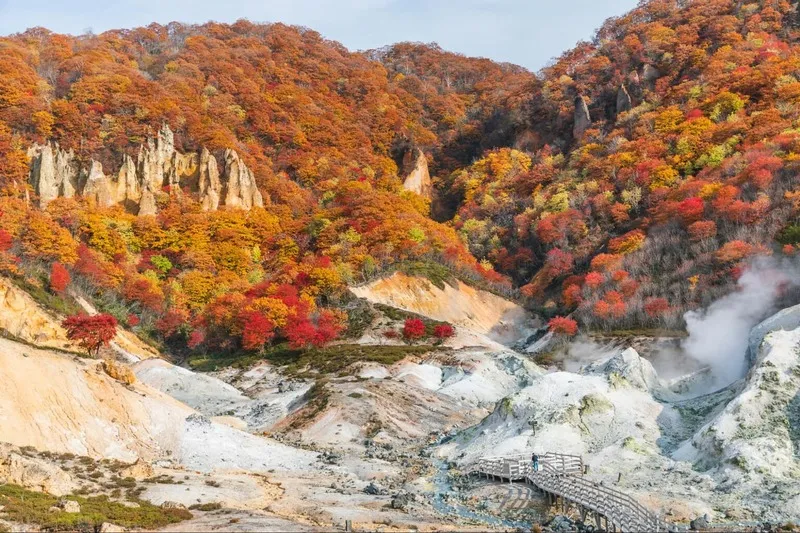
{"type": "Point", "coordinates": [718, 335]}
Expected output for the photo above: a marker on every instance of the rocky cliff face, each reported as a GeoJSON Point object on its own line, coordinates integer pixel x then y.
{"type": "Point", "coordinates": [582, 119]}
{"type": "Point", "coordinates": [623, 100]}
{"type": "Point", "coordinates": [57, 173]}
{"type": "Point", "coordinates": [476, 310]}
{"type": "Point", "coordinates": [23, 319]}
{"type": "Point", "coordinates": [238, 183]}
{"type": "Point", "coordinates": [415, 168]}
{"type": "Point", "coordinates": [54, 172]}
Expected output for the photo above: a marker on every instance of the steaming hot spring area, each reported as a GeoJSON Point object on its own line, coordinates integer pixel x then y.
{"type": "Point", "coordinates": [698, 428]}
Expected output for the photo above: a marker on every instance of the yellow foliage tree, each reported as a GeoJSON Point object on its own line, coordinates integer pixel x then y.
{"type": "Point", "coordinates": [44, 239]}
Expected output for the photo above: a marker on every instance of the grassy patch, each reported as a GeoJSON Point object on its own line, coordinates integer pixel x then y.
{"type": "Point", "coordinates": [545, 359]}
{"type": "Point", "coordinates": [28, 507]}
{"type": "Point", "coordinates": [327, 360]}
{"type": "Point", "coordinates": [317, 399]}
{"type": "Point", "coordinates": [644, 332]}
{"type": "Point", "coordinates": [62, 305]}
{"type": "Point", "coordinates": [436, 273]}
{"type": "Point", "coordinates": [337, 358]}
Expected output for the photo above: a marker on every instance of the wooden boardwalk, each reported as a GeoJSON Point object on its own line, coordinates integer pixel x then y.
{"type": "Point", "coordinates": [560, 477]}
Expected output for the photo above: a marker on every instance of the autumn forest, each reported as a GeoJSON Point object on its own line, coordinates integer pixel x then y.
{"type": "Point", "coordinates": [629, 181]}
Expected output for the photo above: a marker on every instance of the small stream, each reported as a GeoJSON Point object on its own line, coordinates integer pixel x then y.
{"type": "Point", "coordinates": [450, 507]}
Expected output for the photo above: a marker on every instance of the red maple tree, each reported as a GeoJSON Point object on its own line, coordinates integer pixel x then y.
{"type": "Point", "coordinates": [91, 332]}
{"type": "Point", "coordinates": [443, 331]}
{"type": "Point", "coordinates": [5, 240]}
{"type": "Point", "coordinates": [59, 277]}
{"type": "Point", "coordinates": [562, 325]}
{"type": "Point", "coordinates": [257, 331]}
{"type": "Point", "coordinates": [413, 329]}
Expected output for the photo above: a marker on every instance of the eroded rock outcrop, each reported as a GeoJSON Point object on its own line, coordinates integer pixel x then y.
{"type": "Point", "coordinates": [208, 182]}
{"type": "Point", "coordinates": [239, 184]}
{"type": "Point", "coordinates": [753, 440]}
{"type": "Point", "coordinates": [157, 168]}
{"type": "Point", "coordinates": [155, 160]}
{"type": "Point", "coordinates": [23, 319]}
{"type": "Point", "coordinates": [96, 187]}
{"type": "Point", "coordinates": [476, 310]}
{"type": "Point", "coordinates": [650, 74]}
{"type": "Point", "coordinates": [628, 365]}
{"type": "Point", "coordinates": [582, 118]}
{"type": "Point", "coordinates": [54, 172]}
{"type": "Point", "coordinates": [415, 168]}
{"type": "Point", "coordinates": [33, 472]}
{"type": "Point", "coordinates": [786, 319]}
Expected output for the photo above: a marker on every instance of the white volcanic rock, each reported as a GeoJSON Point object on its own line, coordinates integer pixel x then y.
{"type": "Point", "coordinates": [61, 404]}
{"type": "Point", "coordinates": [565, 412]}
{"type": "Point", "coordinates": [628, 365]}
{"type": "Point", "coordinates": [207, 394]}
{"type": "Point", "coordinates": [785, 319]}
{"type": "Point", "coordinates": [54, 172]}
{"type": "Point", "coordinates": [418, 179]}
{"type": "Point", "coordinates": [96, 186]}
{"type": "Point", "coordinates": [239, 184]}
{"type": "Point", "coordinates": [215, 398]}
{"type": "Point", "coordinates": [209, 184]}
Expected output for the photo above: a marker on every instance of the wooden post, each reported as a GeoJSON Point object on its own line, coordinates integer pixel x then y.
{"type": "Point", "coordinates": [348, 525]}
{"type": "Point", "coordinates": [619, 477]}
{"type": "Point", "coordinates": [585, 469]}
{"type": "Point", "coordinates": [597, 520]}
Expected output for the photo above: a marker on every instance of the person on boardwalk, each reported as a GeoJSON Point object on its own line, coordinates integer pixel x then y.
{"type": "Point", "coordinates": [535, 460]}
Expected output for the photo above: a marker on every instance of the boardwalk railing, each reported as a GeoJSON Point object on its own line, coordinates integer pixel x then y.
{"type": "Point", "coordinates": [560, 475]}
{"type": "Point", "coordinates": [519, 466]}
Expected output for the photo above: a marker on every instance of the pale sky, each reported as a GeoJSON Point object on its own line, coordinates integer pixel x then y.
{"type": "Point", "coordinates": [525, 32]}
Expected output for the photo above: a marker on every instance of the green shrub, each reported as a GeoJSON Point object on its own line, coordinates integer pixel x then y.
{"type": "Point", "coordinates": [214, 506]}
{"type": "Point", "coordinates": [28, 507]}
{"type": "Point", "coordinates": [359, 316]}
{"type": "Point", "coordinates": [790, 234]}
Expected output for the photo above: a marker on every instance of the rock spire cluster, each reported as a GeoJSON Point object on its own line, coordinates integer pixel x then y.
{"type": "Point", "coordinates": [222, 180]}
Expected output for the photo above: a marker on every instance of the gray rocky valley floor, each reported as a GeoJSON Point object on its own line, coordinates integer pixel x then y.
{"type": "Point", "coordinates": [390, 446]}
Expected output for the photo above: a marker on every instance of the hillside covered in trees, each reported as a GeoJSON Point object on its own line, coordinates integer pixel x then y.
{"type": "Point", "coordinates": [624, 184]}
{"type": "Point", "coordinates": [650, 165]}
